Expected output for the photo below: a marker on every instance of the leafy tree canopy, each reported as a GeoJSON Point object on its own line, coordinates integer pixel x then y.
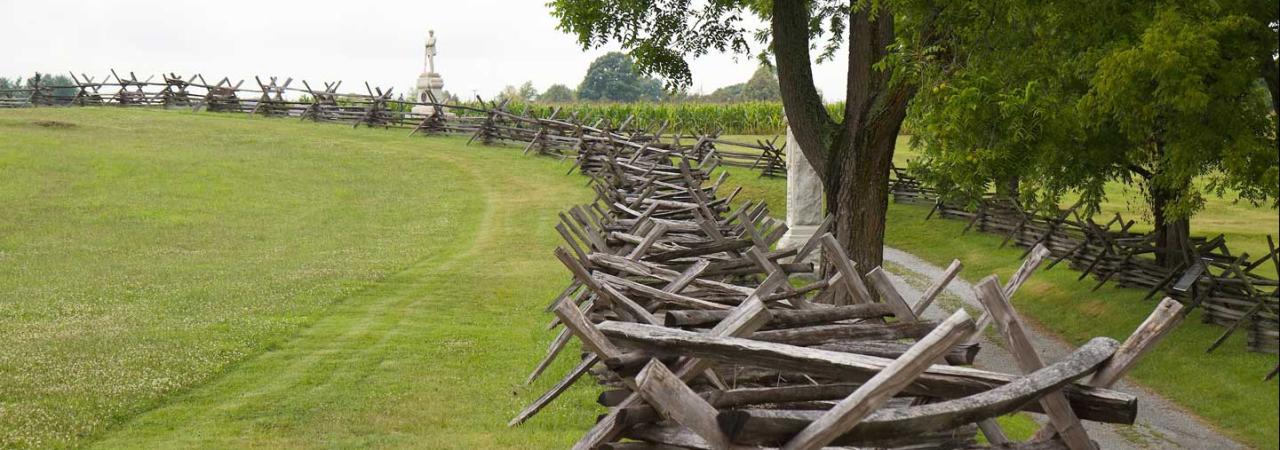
{"type": "Point", "coordinates": [1069, 98]}
{"type": "Point", "coordinates": [614, 77]}
{"type": "Point", "coordinates": [763, 86]}
{"type": "Point", "coordinates": [526, 92]}
{"type": "Point", "coordinates": [558, 93]}
{"type": "Point", "coordinates": [891, 45]}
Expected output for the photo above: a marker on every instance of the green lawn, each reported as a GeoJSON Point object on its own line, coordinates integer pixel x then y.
{"type": "Point", "coordinates": [1245, 225]}
{"type": "Point", "coordinates": [179, 280]}
{"type": "Point", "coordinates": [172, 280]}
{"type": "Point", "coordinates": [1224, 387]}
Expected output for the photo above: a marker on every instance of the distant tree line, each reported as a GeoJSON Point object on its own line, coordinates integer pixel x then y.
{"type": "Point", "coordinates": [19, 82]}
{"type": "Point", "coordinates": [614, 78]}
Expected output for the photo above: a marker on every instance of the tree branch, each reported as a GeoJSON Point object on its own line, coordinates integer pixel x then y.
{"type": "Point", "coordinates": [1144, 173]}
{"type": "Point", "coordinates": [808, 118]}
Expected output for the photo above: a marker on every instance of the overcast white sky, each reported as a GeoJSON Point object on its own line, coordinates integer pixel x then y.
{"type": "Point", "coordinates": [483, 44]}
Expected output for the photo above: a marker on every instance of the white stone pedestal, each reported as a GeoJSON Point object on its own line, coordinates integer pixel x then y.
{"type": "Point", "coordinates": [429, 82]}
{"type": "Point", "coordinates": [804, 198]}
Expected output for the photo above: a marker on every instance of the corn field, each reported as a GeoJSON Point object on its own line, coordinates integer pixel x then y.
{"type": "Point", "coordinates": [690, 118]}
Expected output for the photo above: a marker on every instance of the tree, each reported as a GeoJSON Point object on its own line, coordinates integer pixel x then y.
{"type": "Point", "coordinates": [61, 94]}
{"type": "Point", "coordinates": [763, 86]}
{"type": "Point", "coordinates": [6, 84]}
{"type": "Point", "coordinates": [528, 92]}
{"type": "Point", "coordinates": [613, 77]}
{"type": "Point", "coordinates": [558, 93]}
{"type": "Point", "coordinates": [525, 93]}
{"type": "Point", "coordinates": [730, 93]}
{"type": "Point", "coordinates": [889, 44]}
{"type": "Point", "coordinates": [1161, 94]}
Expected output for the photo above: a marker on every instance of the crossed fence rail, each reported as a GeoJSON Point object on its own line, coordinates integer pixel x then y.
{"type": "Point", "coordinates": [488, 122]}
{"type": "Point", "coordinates": [1229, 287]}
{"type": "Point", "coordinates": [687, 317]}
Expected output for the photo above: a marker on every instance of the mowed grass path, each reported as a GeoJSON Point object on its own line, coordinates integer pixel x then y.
{"type": "Point", "coordinates": [172, 280]}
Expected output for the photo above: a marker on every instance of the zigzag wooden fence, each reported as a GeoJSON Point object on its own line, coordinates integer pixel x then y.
{"type": "Point", "coordinates": [688, 319]}
{"type": "Point", "coordinates": [487, 122]}
{"type": "Point", "coordinates": [1228, 286]}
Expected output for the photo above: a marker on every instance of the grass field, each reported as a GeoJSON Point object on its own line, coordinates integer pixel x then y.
{"type": "Point", "coordinates": [178, 280]}
{"type": "Point", "coordinates": [1245, 225]}
{"type": "Point", "coordinates": [1224, 387]}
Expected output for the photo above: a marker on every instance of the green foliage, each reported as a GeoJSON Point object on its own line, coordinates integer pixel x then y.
{"type": "Point", "coordinates": [763, 118]}
{"type": "Point", "coordinates": [1182, 97]}
{"type": "Point", "coordinates": [762, 87]}
{"type": "Point", "coordinates": [63, 86]}
{"type": "Point", "coordinates": [614, 78]}
{"type": "Point", "coordinates": [1067, 99]}
{"type": "Point", "coordinates": [558, 93]}
{"type": "Point", "coordinates": [657, 33]}
{"type": "Point", "coordinates": [7, 84]}
{"type": "Point", "coordinates": [526, 92]}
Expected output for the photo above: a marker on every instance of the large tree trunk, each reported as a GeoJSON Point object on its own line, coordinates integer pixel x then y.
{"type": "Point", "coordinates": [1171, 232]}
{"type": "Point", "coordinates": [853, 157]}
{"type": "Point", "coordinates": [1009, 187]}
{"type": "Point", "coordinates": [859, 198]}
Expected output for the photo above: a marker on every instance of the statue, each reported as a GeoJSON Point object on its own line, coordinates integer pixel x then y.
{"type": "Point", "coordinates": [430, 85]}
{"type": "Point", "coordinates": [431, 52]}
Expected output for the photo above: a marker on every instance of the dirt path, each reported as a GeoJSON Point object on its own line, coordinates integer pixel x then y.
{"type": "Point", "coordinates": [1161, 424]}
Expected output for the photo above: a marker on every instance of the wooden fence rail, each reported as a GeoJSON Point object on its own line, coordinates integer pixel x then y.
{"type": "Point", "coordinates": [555, 135]}
{"type": "Point", "coordinates": [1228, 286]}
{"type": "Point", "coordinates": [699, 330]}
{"type": "Point", "coordinates": [690, 320]}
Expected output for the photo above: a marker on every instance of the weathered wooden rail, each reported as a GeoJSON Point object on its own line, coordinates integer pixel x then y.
{"type": "Point", "coordinates": [1229, 287]}
{"type": "Point", "coordinates": [689, 317]}
{"type": "Point", "coordinates": [691, 322]}
{"type": "Point", "coordinates": [555, 135]}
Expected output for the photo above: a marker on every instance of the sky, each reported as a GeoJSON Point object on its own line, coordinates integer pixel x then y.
{"type": "Point", "coordinates": [483, 45]}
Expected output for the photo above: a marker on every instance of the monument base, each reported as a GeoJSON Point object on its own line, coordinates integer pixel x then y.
{"type": "Point", "coordinates": [796, 236]}
{"type": "Point", "coordinates": [430, 82]}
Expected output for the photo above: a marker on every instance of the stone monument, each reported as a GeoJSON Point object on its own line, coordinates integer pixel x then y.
{"type": "Point", "coordinates": [429, 81]}
{"type": "Point", "coordinates": [804, 197]}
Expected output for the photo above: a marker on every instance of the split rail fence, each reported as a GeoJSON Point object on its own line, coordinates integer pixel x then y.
{"type": "Point", "coordinates": [691, 323]}
{"type": "Point", "coordinates": [1230, 287]}
{"type": "Point", "coordinates": [689, 318]}
{"type": "Point", "coordinates": [556, 135]}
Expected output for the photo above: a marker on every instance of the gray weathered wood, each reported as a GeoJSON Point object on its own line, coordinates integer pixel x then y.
{"type": "Point", "coordinates": [745, 319]}
{"type": "Point", "coordinates": [766, 427]}
{"type": "Point", "coordinates": [937, 287]}
{"type": "Point", "coordinates": [783, 318]}
{"type": "Point", "coordinates": [1166, 316]}
{"type": "Point", "coordinates": [834, 252]}
{"type": "Point", "coordinates": [667, 392]}
{"type": "Point", "coordinates": [884, 385]}
{"type": "Point", "coordinates": [1055, 404]}
{"type": "Point", "coordinates": [1096, 404]}
{"type": "Point", "coordinates": [1024, 272]}
{"type": "Point", "coordinates": [889, 295]}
